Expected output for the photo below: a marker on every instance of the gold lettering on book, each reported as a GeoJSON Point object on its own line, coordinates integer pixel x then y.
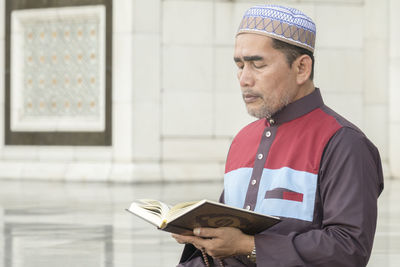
{"type": "Point", "coordinates": [222, 220]}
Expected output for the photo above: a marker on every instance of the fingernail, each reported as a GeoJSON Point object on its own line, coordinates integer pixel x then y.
{"type": "Point", "coordinates": [196, 231]}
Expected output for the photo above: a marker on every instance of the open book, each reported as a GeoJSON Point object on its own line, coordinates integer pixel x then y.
{"type": "Point", "coordinates": [184, 217]}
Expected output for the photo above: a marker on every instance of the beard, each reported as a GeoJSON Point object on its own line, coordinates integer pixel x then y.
{"type": "Point", "coordinates": [270, 105]}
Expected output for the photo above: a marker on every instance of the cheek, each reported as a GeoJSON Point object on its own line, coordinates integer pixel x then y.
{"type": "Point", "coordinates": [280, 81]}
{"type": "Point", "coordinates": [268, 83]}
{"type": "Point", "coordinates": [273, 86]}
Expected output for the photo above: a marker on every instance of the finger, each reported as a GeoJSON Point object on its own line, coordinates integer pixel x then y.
{"type": "Point", "coordinates": [197, 246]}
{"type": "Point", "coordinates": [176, 236]}
{"type": "Point", "coordinates": [181, 239]}
{"type": "Point", "coordinates": [205, 232]}
{"type": "Point", "coordinates": [202, 243]}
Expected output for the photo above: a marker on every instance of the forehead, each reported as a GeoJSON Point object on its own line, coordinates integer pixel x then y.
{"type": "Point", "coordinates": [250, 43]}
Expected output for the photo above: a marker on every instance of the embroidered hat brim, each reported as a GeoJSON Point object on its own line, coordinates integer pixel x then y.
{"type": "Point", "coordinates": [283, 23]}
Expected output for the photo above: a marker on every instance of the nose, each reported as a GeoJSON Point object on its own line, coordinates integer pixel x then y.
{"type": "Point", "coordinates": [245, 77]}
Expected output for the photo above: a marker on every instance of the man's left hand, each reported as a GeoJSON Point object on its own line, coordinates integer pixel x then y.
{"type": "Point", "coordinates": [219, 242]}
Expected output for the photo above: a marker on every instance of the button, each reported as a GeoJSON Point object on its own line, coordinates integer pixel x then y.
{"type": "Point", "coordinates": [248, 207]}
{"type": "Point", "coordinates": [268, 134]}
{"type": "Point", "coordinates": [253, 182]}
{"type": "Point", "coordinates": [260, 156]}
{"type": "Point", "coordinates": [271, 121]}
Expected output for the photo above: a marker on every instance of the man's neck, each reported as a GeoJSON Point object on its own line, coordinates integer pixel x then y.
{"type": "Point", "coordinates": [305, 89]}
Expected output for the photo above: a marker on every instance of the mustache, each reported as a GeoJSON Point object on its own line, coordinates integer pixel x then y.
{"type": "Point", "coordinates": [250, 92]}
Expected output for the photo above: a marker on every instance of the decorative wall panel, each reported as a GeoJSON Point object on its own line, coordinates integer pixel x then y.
{"type": "Point", "coordinates": [58, 72]}
{"type": "Point", "coordinates": [57, 69]}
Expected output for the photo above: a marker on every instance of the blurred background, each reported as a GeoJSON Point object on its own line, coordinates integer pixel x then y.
{"type": "Point", "coordinates": [103, 102]}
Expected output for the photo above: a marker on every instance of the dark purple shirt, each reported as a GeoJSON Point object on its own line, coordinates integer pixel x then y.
{"type": "Point", "coordinates": [319, 173]}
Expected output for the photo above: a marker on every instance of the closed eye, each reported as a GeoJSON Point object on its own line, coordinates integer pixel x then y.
{"type": "Point", "coordinates": [239, 62]}
{"type": "Point", "coordinates": [258, 65]}
{"type": "Point", "coordinates": [240, 66]}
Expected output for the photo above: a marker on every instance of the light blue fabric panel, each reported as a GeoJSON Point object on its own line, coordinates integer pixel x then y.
{"type": "Point", "coordinates": [298, 181]}
{"type": "Point", "coordinates": [235, 185]}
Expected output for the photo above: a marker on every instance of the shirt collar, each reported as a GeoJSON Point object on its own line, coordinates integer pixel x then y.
{"type": "Point", "coordinates": [297, 108]}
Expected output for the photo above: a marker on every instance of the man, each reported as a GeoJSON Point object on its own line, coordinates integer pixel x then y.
{"type": "Point", "coordinates": [300, 161]}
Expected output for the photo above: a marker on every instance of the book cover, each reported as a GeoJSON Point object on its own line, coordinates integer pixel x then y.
{"type": "Point", "coordinates": [208, 213]}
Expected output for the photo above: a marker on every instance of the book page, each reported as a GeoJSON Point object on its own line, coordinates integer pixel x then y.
{"type": "Point", "coordinates": [179, 208]}
{"type": "Point", "coordinates": [151, 210]}
{"type": "Point", "coordinates": [154, 206]}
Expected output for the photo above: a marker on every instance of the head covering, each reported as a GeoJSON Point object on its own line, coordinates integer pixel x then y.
{"type": "Point", "coordinates": [284, 23]}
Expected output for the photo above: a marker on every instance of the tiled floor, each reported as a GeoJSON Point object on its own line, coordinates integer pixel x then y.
{"type": "Point", "coordinates": [79, 224]}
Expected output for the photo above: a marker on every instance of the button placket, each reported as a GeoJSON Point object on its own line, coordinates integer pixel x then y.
{"type": "Point", "coordinates": [250, 201]}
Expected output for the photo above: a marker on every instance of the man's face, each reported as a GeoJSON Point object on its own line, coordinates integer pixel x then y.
{"type": "Point", "coordinates": [267, 81]}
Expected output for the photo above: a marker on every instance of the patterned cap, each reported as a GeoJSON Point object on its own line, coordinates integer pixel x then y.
{"type": "Point", "coordinates": [284, 23]}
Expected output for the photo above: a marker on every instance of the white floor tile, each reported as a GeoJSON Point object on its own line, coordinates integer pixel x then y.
{"type": "Point", "coordinates": [85, 224]}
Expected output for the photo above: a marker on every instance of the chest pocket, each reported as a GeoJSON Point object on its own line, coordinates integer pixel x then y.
{"type": "Point", "coordinates": [287, 193]}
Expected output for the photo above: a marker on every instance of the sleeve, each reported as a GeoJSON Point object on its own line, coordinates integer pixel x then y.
{"type": "Point", "coordinates": [222, 197]}
{"type": "Point", "coordinates": [191, 257]}
{"type": "Point", "coordinates": [350, 181]}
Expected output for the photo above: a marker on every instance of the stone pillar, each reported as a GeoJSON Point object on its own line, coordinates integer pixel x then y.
{"type": "Point", "coordinates": [375, 67]}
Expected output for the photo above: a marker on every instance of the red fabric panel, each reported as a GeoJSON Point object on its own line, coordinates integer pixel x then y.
{"type": "Point", "coordinates": [294, 196]}
{"type": "Point", "coordinates": [244, 147]}
{"type": "Point", "coordinates": [299, 144]}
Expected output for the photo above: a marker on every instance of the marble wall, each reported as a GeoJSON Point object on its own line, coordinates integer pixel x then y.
{"type": "Point", "coordinates": [394, 89]}
{"type": "Point", "coordinates": [176, 103]}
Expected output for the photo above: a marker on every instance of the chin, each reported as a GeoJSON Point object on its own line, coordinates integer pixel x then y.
{"type": "Point", "coordinates": [258, 113]}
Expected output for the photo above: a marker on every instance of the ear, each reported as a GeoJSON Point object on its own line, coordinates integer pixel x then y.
{"type": "Point", "coordinates": [303, 66]}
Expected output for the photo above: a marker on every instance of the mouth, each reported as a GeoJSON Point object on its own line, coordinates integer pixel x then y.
{"type": "Point", "coordinates": [250, 97]}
